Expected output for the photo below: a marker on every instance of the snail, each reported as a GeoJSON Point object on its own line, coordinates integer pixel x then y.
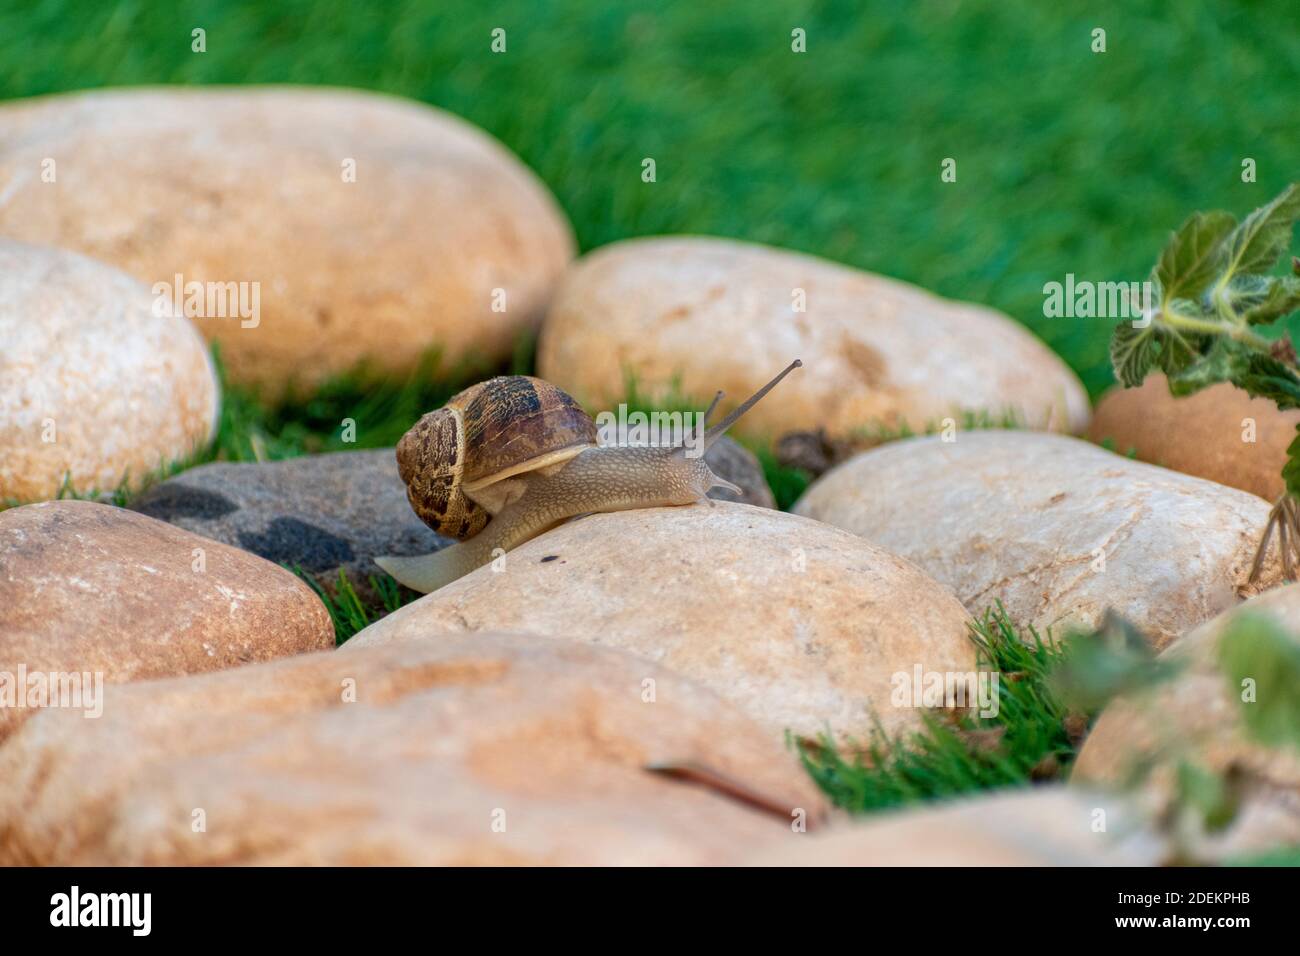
{"type": "Point", "coordinates": [512, 457]}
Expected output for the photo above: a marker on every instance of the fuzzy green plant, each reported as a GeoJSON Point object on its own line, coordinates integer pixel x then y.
{"type": "Point", "coordinates": [1212, 291]}
{"type": "Point", "coordinates": [1253, 650]}
{"type": "Point", "coordinates": [1257, 649]}
{"type": "Point", "coordinates": [1284, 856]}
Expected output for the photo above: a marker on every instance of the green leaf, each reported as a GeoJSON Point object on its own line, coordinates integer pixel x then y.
{"type": "Point", "coordinates": [1260, 299]}
{"type": "Point", "coordinates": [1179, 349]}
{"type": "Point", "coordinates": [1257, 649]}
{"type": "Point", "coordinates": [1291, 470]}
{"type": "Point", "coordinates": [1191, 259]}
{"type": "Point", "coordinates": [1226, 361]}
{"type": "Point", "coordinates": [1245, 293]}
{"type": "Point", "coordinates": [1199, 336]}
{"type": "Point", "coordinates": [1266, 377]}
{"type": "Point", "coordinates": [1096, 666]}
{"type": "Point", "coordinates": [1206, 793]}
{"type": "Point", "coordinates": [1136, 351]}
{"type": "Point", "coordinates": [1255, 245]}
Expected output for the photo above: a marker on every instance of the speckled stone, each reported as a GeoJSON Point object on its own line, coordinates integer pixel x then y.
{"type": "Point", "coordinates": [322, 513]}
{"type": "Point", "coordinates": [90, 588]}
{"type": "Point", "coordinates": [1042, 826]}
{"type": "Point", "coordinates": [1055, 528]}
{"type": "Point", "coordinates": [802, 625]}
{"type": "Point", "coordinates": [705, 314]}
{"type": "Point", "coordinates": [376, 227]}
{"type": "Point", "coordinates": [472, 749]}
{"type": "Point", "coordinates": [94, 386]}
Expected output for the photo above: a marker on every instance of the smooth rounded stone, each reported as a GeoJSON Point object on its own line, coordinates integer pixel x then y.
{"type": "Point", "coordinates": [375, 228]}
{"type": "Point", "coordinates": [322, 513]}
{"type": "Point", "coordinates": [800, 624]}
{"type": "Point", "coordinates": [1043, 826]}
{"type": "Point", "coordinates": [1197, 716]}
{"type": "Point", "coordinates": [1055, 528]}
{"type": "Point", "coordinates": [712, 314]}
{"type": "Point", "coordinates": [90, 589]}
{"type": "Point", "coordinates": [94, 388]}
{"type": "Point", "coordinates": [1219, 433]}
{"type": "Point", "coordinates": [477, 749]}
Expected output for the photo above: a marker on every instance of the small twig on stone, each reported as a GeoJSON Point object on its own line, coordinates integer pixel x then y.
{"type": "Point", "coordinates": [1285, 519]}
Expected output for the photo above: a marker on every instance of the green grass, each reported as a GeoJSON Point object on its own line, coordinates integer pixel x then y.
{"type": "Point", "coordinates": [1032, 738]}
{"type": "Point", "coordinates": [1286, 856]}
{"type": "Point", "coordinates": [787, 483]}
{"type": "Point", "coordinates": [347, 610]}
{"type": "Point", "coordinates": [1068, 161]}
{"type": "Point", "coordinates": [121, 493]}
{"type": "Point", "coordinates": [380, 411]}
{"type": "Point", "coordinates": [1050, 689]}
{"type": "Point", "coordinates": [968, 420]}
{"type": "Point", "coordinates": [1049, 693]}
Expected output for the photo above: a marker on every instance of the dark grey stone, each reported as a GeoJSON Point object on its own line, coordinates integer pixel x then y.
{"type": "Point", "coordinates": [739, 466]}
{"type": "Point", "coordinates": [290, 541]}
{"type": "Point", "coordinates": [170, 501]}
{"type": "Point", "coordinates": [814, 452]}
{"type": "Point", "coordinates": [321, 513]}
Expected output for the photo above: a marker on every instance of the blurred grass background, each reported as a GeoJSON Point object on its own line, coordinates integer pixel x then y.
{"type": "Point", "coordinates": [1067, 160]}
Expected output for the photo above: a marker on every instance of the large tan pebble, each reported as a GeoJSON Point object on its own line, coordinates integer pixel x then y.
{"type": "Point", "coordinates": [1197, 717]}
{"type": "Point", "coordinates": [1219, 433]}
{"type": "Point", "coordinates": [802, 625]}
{"type": "Point", "coordinates": [1055, 528]}
{"type": "Point", "coordinates": [717, 314]}
{"type": "Point", "coordinates": [478, 749]}
{"type": "Point", "coordinates": [375, 228]}
{"type": "Point", "coordinates": [1045, 826]}
{"type": "Point", "coordinates": [96, 390]}
{"type": "Point", "coordinates": [109, 595]}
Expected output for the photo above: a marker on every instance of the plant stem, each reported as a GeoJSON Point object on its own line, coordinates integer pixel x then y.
{"type": "Point", "coordinates": [1192, 324]}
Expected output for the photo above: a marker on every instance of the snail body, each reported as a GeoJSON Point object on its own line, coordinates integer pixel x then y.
{"type": "Point", "coordinates": [515, 456]}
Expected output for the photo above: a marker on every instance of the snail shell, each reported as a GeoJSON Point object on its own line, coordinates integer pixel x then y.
{"type": "Point", "coordinates": [457, 461]}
